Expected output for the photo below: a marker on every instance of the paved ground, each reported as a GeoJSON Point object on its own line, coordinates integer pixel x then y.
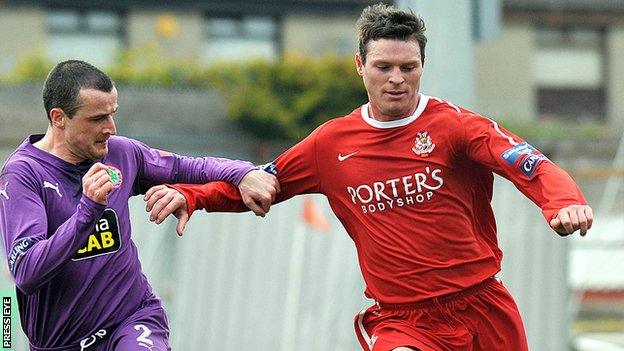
{"type": "Point", "coordinates": [600, 342]}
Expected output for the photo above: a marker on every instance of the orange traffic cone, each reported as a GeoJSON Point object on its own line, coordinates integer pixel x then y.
{"type": "Point", "coordinates": [313, 217]}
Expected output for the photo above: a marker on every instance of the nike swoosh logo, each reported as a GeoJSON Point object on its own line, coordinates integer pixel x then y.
{"type": "Point", "coordinates": [342, 158]}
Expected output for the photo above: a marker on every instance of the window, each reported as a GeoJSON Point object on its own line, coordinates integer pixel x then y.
{"type": "Point", "coordinates": [229, 38]}
{"type": "Point", "coordinates": [569, 72]}
{"type": "Point", "coordinates": [92, 36]}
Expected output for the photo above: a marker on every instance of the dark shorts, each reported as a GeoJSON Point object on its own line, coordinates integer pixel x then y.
{"type": "Point", "coordinates": [146, 329]}
{"type": "Point", "coordinates": [481, 318]}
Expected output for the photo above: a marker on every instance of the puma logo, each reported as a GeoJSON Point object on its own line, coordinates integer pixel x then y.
{"type": "Point", "coordinates": [3, 192]}
{"type": "Point", "coordinates": [49, 185]}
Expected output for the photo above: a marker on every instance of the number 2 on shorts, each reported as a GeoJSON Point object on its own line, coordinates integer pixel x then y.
{"type": "Point", "coordinates": [143, 339]}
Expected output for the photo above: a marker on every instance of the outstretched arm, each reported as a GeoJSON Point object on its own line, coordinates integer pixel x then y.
{"type": "Point", "coordinates": [257, 191]}
{"type": "Point", "coordinates": [296, 170]}
{"type": "Point", "coordinates": [157, 167]}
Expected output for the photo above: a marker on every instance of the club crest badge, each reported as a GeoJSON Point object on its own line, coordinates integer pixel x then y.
{"type": "Point", "coordinates": [423, 145]}
{"type": "Point", "coordinates": [115, 176]}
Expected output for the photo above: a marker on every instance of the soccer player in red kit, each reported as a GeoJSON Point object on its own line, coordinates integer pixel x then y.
{"type": "Point", "coordinates": [410, 177]}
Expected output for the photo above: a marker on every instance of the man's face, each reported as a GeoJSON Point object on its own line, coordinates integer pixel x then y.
{"type": "Point", "coordinates": [392, 77]}
{"type": "Point", "coordinates": [86, 133]}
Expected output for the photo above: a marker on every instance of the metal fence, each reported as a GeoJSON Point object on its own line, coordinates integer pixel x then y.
{"type": "Point", "coordinates": [237, 282]}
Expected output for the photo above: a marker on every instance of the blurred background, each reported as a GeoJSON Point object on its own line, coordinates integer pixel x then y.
{"type": "Point", "coordinates": [246, 79]}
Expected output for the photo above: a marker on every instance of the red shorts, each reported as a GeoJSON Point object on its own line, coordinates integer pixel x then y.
{"type": "Point", "coordinates": [481, 318]}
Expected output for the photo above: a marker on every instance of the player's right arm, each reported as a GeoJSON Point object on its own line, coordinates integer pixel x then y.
{"type": "Point", "coordinates": [34, 257]}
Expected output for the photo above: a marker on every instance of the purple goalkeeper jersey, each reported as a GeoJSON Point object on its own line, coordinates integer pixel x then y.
{"type": "Point", "coordinates": [75, 266]}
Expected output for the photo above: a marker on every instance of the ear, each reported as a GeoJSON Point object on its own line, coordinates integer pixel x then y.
{"type": "Point", "coordinates": [359, 64]}
{"type": "Point", "coordinates": [58, 117]}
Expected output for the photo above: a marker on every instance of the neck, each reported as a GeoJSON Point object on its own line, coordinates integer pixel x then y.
{"type": "Point", "coordinates": [47, 142]}
{"type": "Point", "coordinates": [376, 114]}
{"type": "Point", "coordinates": [54, 144]}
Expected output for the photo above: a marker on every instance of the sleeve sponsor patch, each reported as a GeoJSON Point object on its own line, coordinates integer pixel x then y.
{"type": "Point", "coordinates": [530, 163]}
{"type": "Point", "coordinates": [269, 168]}
{"type": "Point", "coordinates": [19, 249]}
{"type": "Point", "coordinates": [525, 156]}
{"type": "Point", "coordinates": [512, 154]}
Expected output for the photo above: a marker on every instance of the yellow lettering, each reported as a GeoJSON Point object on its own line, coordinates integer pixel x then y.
{"type": "Point", "coordinates": [93, 243]}
{"type": "Point", "coordinates": [107, 239]}
{"type": "Point", "coordinates": [98, 241]}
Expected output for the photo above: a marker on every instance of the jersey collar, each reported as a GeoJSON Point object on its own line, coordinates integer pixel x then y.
{"type": "Point", "coordinates": [422, 103]}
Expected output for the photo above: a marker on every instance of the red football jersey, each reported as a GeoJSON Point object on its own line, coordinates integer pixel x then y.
{"type": "Point", "coordinates": [413, 194]}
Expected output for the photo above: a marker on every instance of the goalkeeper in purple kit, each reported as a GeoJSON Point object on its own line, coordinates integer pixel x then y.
{"type": "Point", "coordinates": [65, 222]}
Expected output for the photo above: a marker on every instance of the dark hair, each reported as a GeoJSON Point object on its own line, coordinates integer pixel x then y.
{"type": "Point", "coordinates": [64, 82]}
{"type": "Point", "coordinates": [387, 22]}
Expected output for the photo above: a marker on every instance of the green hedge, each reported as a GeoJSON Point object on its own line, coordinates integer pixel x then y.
{"type": "Point", "coordinates": [289, 98]}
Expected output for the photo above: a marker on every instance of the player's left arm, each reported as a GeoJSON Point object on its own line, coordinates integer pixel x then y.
{"type": "Point", "coordinates": [550, 187]}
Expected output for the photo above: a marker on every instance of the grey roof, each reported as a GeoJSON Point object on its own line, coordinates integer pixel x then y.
{"type": "Point", "coordinates": [224, 6]}
{"type": "Point", "coordinates": [565, 5]}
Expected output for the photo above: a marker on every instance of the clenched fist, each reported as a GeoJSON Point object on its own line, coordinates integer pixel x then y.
{"type": "Point", "coordinates": [96, 184]}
